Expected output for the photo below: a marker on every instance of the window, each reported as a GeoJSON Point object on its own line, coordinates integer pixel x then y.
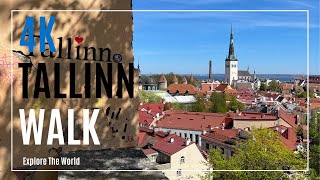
{"type": "Point", "coordinates": [179, 172]}
{"type": "Point", "coordinates": [197, 139]}
{"type": "Point", "coordinates": [207, 145]}
{"type": "Point", "coordinates": [222, 150]}
{"type": "Point", "coordinates": [180, 135]}
{"type": "Point", "coordinates": [191, 137]}
{"type": "Point", "coordinates": [182, 160]}
{"type": "Point", "coordinates": [185, 135]}
{"type": "Point", "coordinates": [153, 158]}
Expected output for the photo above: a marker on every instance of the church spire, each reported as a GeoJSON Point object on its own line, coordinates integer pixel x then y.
{"type": "Point", "coordinates": [231, 55]}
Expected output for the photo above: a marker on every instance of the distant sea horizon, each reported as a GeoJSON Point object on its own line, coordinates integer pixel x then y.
{"type": "Point", "coordinates": [280, 77]}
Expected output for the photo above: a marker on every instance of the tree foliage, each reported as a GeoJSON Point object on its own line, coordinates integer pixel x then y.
{"type": "Point", "coordinates": [218, 103]}
{"type": "Point", "coordinates": [149, 97]}
{"type": "Point", "coordinates": [304, 95]}
{"type": "Point", "coordinates": [234, 104]}
{"type": "Point", "coordinates": [315, 142]}
{"type": "Point", "coordinates": [263, 150]}
{"type": "Point", "coordinates": [274, 86]}
{"type": "Point", "coordinates": [199, 105]}
{"type": "Point", "coordinates": [263, 87]}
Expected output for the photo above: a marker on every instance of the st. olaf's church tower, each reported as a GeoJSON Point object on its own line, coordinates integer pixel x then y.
{"type": "Point", "coordinates": [231, 63]}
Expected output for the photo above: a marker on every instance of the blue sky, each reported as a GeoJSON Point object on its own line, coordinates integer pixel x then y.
{"type": "Point", "coordinates": [184, 42]}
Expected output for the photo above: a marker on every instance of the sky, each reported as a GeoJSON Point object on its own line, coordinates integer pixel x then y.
{"type": "Point", "coordinates": [267, 42]}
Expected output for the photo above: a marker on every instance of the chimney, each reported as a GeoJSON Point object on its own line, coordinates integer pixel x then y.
{"type": "Point", "coordinates": [210, 70]}
{"type": "Point", "coordinates": [223, 126]}
{"type": "Point", "coordinates": [171, 140]}
{"type": "Point", "coordinates": [188, 141]}
{"type": "Point", "coordinates": [297, 119]}
{"type": "Point", "coordinates": [204, 132]}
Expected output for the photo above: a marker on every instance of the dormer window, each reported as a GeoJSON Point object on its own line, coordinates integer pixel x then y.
{"type": "Point", "coordinates": [182, 160]}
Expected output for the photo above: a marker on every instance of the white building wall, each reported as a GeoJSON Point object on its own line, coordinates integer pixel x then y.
{"type": "Point", "coordinates": [231, 71]}
{"type": "Point", "coordinates": [184, 133]}
{"type": "Point", "coordinates": [193, 160]}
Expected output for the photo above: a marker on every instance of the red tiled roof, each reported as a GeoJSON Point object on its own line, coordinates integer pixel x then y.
{"type": "Point", "coordinates": [231, 91]}
{"type": "Point", "coordinates": [170, 148]}
{"type": "Point", "coordinates": [154, 107]}
{"type": "Point", "coordinates": [182, 88]}
{"type": "Point", "coordinates": [208, 86]}
{"type": "Point", "coordinates": [314, 100]}
{"type": "Point", "coordinates": [142, 139]}
{"type": "Point", "coordinates": [149, 151]}
{"type": "Point", "coordinates": [162, 79]}
{"type": "Point", "coordinates": [160, 133]}
{"type": "Point", "coordinates": [220, 135]}
{"type": "Point", "coordinates": [286, 86]}
{"type": "Point", "coordinates": [145, 129]}
{"type": "Point", "coordinates": [289, 118]}
{"type": "Point", "coordinates": [253, 116]}
{"type": "Point", "coordinates": [272, 95]}
{"type": "Point", "coordinates": [190, 120]}
{"type": "Point", "coordinates": [222, 87]}
{"type": "Point", "coordinates": [287, 136]}
{"type": "Point", "coordinates": [145, 118]}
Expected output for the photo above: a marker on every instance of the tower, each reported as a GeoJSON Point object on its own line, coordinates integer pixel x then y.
{"type": "Point", "coordinates": [231, 63]}
{"type": "Point", "coordinates": [175, 80]}
{"type": "Point", "coordinates": [210, 70]}
{"type": "Point", "coordinates": [184, 80]}
{"type": "Point", "coordinates": [162, 83]}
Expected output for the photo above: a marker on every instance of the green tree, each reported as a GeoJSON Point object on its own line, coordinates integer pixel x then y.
{"type": "Point", "coordinates": [263, 87]}
{"type": "Point", "coordinates": [263, 150]}
{"type": "Point", "coordinates": [218, 103]}
{"type": "Point", "coordinates": [149, 97]}
{"type": "Point", "coordinates": [199, 105]}
{"type": "Point", "coordinates": [314, 137]}
{"type": "Point", "coordinates": [234, 104]}
{"type": "Point", "coordinates": [274, 86]}
{"type": "Point", "coordinates": [176, 106]}
{"type": "Point", "coordinates": [304, 95]}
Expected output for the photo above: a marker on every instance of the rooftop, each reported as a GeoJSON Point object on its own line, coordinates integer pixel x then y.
{"type": "Point", "coordinates": [182, 89]}
{"type": "Point", "coordinates": [190, 120]}
{"type": "Point", "coordinates": [253, 116]}
{"type": "Point", "coordinates": [169, 147]}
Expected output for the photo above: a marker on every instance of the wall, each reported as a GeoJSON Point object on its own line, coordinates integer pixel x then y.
{"type": "Point", "coordinates": [227, 148]}
{"type": "Point", "coordinates": [193, 161]}
{"type": "Point", "coordinates": [183, 132]}
{"type": "Point", "coordinates": [100, 30]}
{"type": "Point", "coordinates": [256, 123]}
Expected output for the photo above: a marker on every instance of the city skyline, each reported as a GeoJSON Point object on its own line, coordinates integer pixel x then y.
{"type": "Point", "coordinates": [268, 42]}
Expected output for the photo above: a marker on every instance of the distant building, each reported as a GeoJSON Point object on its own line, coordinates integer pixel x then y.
{"type": "Point", "coordinates": [162, 83]}
{"type": "Point", "coordinates": [245, 75]}
{"type": "Point", "coordinates": [175, 80]}
{"type": "Point", "coordinates": [149, 84]}
{"type": "Point", "coordinates": [182, 89]}
{"type": "Point", "coordinates": [184, 80]}
{"type": "Point", "coordinates": [231, 63]}
{"type": "Point", "coordinates": [232, 74]}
